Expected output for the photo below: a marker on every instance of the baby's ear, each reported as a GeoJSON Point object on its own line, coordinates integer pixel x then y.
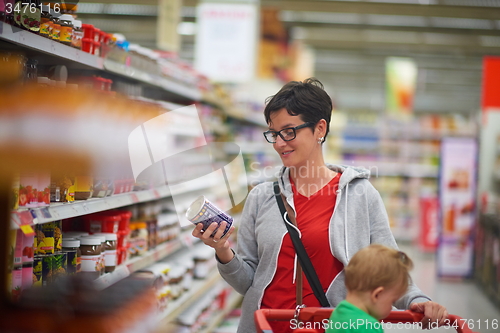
{"type": "Point", "coordinates": [375, 294]}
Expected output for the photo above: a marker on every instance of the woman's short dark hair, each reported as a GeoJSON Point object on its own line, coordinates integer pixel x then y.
{"type": "Point", "coordinates": [306, 99]}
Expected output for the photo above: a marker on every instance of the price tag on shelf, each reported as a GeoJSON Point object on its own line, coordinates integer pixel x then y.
{"type": "Point", "coordinates": [27, 229]}
{"type": "Point", "coordinates": [21, 36]}
{"type": "Point", "coordinates": [54, 213]}
{"type": "Point", "coordinates": [135, 198]}
{"type": "Point", "coordinates": [85, 208]}
{"type": "Point", "coordinates": [156, 194]}
{"type": "Point", "coordinates": [24, 220]}
{"type": "Point", "coordinates": [25, 217]}
{"type": "Point", "coordinates": [53, 46]}
{"type": "Point", "coordinates": [42, 213]}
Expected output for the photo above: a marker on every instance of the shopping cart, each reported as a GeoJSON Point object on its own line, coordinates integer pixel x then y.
{"type": "Point", "coordinates": [319, 315]}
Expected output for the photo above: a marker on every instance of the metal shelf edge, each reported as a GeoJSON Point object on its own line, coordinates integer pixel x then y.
{"type": "Point", "coordinates": [159, 82]}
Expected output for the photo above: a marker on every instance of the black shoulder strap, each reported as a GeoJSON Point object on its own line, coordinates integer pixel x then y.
{"type": "Point", "coordinates": [304, 260]}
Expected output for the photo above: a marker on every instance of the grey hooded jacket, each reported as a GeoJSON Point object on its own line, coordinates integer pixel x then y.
{"type": "Point", "coordinates": [359, 219]}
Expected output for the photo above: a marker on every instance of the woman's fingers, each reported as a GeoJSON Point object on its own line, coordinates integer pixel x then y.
{"type": "Point", "coordinates": [198, 230]}
{"type": "Point", "coordinates": [220, 231]}
{"type": "Point", "coordinates": [217, 240]}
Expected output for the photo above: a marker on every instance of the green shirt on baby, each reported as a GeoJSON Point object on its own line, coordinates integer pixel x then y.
{"type": "Point", "coordinates": [347, 318]}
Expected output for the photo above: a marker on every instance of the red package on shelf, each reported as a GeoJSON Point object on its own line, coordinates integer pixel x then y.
{"type": "Point", "coordinates": [88, 31]}
{"type": "Point", "coordinates": [102, 222]}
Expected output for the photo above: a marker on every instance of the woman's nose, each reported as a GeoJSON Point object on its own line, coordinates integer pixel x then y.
{"type": "Point", "coordinates": [280, 142]}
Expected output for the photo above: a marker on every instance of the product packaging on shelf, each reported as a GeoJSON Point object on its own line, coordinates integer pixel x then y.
{"type": "Point", "coordinates": [29, 15]}
{"type": "Point", "coordinates": [45, 21]}
{"type": "Point", "coordinates": [62, 188]}
{"type": "Point", "coordinates": [83, 187]}
{"type": "Point", "coordinates": [107, 221]}
{"type": "Point", "coordinates": [37, 271]}
{"type": "Point", "coordinates": [91, 256]}
{"type": "Point", "coordinates": [28, 190]}
{"type": "Point", "coordinates": [73, 255]}
{"type": "Point", "coordinates": [110, 254]}
{"type": "Point", "coordinates": [76, 41]}
{"type": "Point", "coordinates": [204, 261]}
{"type": "Point", "coordinates": [176, 280]}
{"type": "Point", "coordinates": [66, 32]}
{"type": "Point", "coordinates": [43, 189]}
{"type": "Point", "coordinates": [138, 238]}
{"type": "Point", "coordinates": [15, 191]}
{"type": "Point", "coordinates": [59, 266]}
{"type": "Point", "coordinates": [45, 238]}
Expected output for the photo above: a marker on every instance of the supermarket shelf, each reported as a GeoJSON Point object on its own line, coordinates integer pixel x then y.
{"type": "Point", "coordinates": [198, 289]}
{"type": "Point", "coordinates": [211, 98]}
{"type": "Point", "coordinates": [161, 82]}
{"type": "Point", "coordinates": [249, 147]}
{"type": "Point", "coordinates": [31, 41]}
{"type": "Point", "coordinates": [138, 263]}
{"type": "Point", "coordinates": [59, 211]}
{"type": "Point", "coordinates": [255, 119]}
{"type": "Point", "coordinates": [378, 169]}
{"type": "Point", "coordinates": [232, 302]}
{"type": "Point", "coordinates": [184, 240]}
{"type": "Point", "coordinates": [38, 43]}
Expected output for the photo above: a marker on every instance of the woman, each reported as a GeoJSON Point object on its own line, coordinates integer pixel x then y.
{"type": "Point", "coordinates": [337, 210]}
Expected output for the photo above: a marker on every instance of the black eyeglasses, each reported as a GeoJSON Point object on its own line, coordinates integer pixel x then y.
{"type": "Point", "coordinates": [287, 134]}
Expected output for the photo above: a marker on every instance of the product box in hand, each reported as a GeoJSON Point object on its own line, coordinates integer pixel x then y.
{"type": "Point", "coordinates": [203, 211]}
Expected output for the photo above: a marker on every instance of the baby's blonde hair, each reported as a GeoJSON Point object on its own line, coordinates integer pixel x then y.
{"type": "Point", "coordinates": [378, 266]}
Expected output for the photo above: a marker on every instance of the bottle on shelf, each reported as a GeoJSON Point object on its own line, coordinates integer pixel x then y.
{"type": "Point", "coordinates": [45, 21]}
{"type": "Point", "coordinates": [66, 30]}
{"type": "Point", "coordinates": [76, 40]}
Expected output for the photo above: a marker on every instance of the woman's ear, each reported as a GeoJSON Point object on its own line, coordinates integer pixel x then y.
{"type": "Point", "coordinates": [321, 127]}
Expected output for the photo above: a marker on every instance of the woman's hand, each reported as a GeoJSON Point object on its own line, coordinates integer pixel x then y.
{"type": "Point", "coordinates": [219, 243]}
{"type": "Point", "coordinates": [433, 312]}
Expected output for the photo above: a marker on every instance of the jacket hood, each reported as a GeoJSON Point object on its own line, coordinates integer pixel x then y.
{"type": "Point", "coordinates": [347, 174]}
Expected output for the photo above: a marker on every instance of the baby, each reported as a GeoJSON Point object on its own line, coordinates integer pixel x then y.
{"type": "Point", "coordinates": [375, 278]}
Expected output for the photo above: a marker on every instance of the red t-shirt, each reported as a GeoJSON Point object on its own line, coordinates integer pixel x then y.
{"type": "Point", "coordinates": [313, 216]}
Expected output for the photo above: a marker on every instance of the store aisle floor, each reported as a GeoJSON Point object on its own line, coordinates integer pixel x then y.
{"type": "Point", "coordinates": [462, 298]}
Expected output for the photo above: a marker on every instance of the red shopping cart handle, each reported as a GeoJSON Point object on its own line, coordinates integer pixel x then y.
{"type": "Point", "coordinates": [313, 314]}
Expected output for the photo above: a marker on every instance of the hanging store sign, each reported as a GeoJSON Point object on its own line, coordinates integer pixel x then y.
{"type": "Point", "coordinates": [457, 196]}
{"type": "Point", "coordinates": [401, 78]}
{"type": "Point", "coordinates": [226, 41]}
{"type": "Point", "coordinates": [490, 90]}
